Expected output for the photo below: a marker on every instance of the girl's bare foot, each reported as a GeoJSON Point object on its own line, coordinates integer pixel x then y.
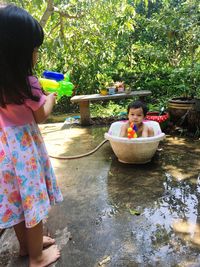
{"type": "Point", "coordinates": [48, 256]}
{"type": "Point", "coordinates": [47, 241]}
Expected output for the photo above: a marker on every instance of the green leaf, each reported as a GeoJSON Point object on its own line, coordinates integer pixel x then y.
{"type": "Point", "coordinates": [134, 212]}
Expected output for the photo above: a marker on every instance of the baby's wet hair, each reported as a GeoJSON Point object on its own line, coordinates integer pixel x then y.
{"type": "Point", "coordinates": [138, 104]}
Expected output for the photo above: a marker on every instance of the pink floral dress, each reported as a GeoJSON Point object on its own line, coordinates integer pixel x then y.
{"type": "Point", "coordinates": [27, 181]}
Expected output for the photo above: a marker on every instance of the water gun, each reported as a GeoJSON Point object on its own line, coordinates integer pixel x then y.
{"type": "Point", "coordinates": [57, 82]}
{"type": "Point", "coordinates": [132, 131]}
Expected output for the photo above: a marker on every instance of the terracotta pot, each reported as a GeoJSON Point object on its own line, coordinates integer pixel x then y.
{"type": "Point", "coordinates": [178, 109]}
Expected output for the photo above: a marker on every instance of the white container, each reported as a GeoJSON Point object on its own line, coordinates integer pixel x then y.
{"type": "Point", "coordinates": [135, 150]}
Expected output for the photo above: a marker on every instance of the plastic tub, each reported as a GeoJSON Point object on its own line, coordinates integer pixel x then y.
{"type": "Point", "coordinates": [136, 150]}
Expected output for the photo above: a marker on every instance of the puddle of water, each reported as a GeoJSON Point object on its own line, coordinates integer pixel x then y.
{"type": "Point", "coordinates": [180, 200]}
{"type": "Point", "coordinates": [100, 193]}
{"type": "Point", "coordinates": [166, 205]}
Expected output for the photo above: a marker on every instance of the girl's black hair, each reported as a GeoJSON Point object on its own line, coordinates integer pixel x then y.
{"type": "Point", "coordinates": [138, 104]}
{"type": "Point", "coordinates": [20, 34]}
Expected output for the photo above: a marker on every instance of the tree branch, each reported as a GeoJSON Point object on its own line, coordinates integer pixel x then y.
{"type": "Point", "coordinates": [65, 14]}
{"type": "Point", "coordinates": [48, 12]}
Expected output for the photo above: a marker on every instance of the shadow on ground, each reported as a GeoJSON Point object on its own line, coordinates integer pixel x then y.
{"type": "Point", "coordinates": [120, 215]}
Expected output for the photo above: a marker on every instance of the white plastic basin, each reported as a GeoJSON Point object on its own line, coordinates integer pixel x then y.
{"type": "Point", "coordinates": [136, 150]}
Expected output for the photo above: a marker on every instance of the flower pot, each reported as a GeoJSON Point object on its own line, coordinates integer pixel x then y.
{"type": "Point", "coordinates": [162, 119]}
{"type": "Point", "coordinates": [103, 92]}
{"type": "Point", "coordinates": [120, 90]}
{"type": "Point", "coordinates": [111, 90]}
{"type": "Point", "coordinates": [178, 109]}
{"type": "Point", "coordinates": [120, 87]}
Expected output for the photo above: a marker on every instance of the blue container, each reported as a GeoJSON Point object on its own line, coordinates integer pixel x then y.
{"type": "Point", "coordinates": [53, 75]}
{"type": "Point", "coordinates": [111, 90]}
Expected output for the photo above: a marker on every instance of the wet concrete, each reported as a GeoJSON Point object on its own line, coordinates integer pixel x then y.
{"type": "Point", "coordinates": [119, 215]}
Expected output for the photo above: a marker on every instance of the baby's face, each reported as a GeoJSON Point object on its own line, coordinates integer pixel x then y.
{"type": "Point", "coordinates": [136, 115]}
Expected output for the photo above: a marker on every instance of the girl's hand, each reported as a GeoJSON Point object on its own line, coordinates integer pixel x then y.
{"type": "Point", "coordinates": [43, 112]}
{"type": "Point", "coordinates": [52, 97]}
{"type": "Point", "coordinates": [48, 93]}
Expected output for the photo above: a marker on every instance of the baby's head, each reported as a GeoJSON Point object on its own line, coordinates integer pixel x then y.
{"type": "Point", "coordinates": [136, 105]}
{"type": "Point", "coordinates": [136, 112]}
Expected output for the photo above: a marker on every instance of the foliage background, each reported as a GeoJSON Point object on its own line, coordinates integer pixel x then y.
{"type": "Point", "coordinates": [148, 44]}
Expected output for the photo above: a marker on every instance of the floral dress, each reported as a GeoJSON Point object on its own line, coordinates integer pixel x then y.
{"type": "Point", "coordinates": [27, 181]}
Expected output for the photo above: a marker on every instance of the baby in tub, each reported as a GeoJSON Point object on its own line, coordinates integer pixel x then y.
{"type": "Point", "coordinates": [136, 113]}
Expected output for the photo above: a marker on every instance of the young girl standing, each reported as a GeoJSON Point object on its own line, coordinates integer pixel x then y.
{"type": "Point", "coordinates": [27, 182]}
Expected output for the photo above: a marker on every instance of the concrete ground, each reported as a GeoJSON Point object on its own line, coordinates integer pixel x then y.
{"type": "Point", "coordinates": [119, 215]}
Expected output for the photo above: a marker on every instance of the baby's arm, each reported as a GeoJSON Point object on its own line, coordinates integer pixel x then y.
{"type": "Point", "coordinates": [150, 131]}
{"type": "Point", "coordinates": [123, 132]}
{"type": "Point", "coordinates": [44, 111]}
{"type": "Point", "coordinates": [147, 131]}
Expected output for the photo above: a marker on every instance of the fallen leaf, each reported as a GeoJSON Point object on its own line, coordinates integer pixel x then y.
{"type": "Point", "coordinates": [134, 212]}
{"type": "Point", "coordinates": [104, 261]}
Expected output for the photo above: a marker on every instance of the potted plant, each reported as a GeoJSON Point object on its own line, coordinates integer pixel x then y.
{"type": "Point", "coordinates": [103, 90]}
{"type": "Point", "coordinates": [105, 82]}
{"type": "Point", "coordinates": [187, 84]}
{"type": "Point", "coordinates": [120, 87]}
{"type": "Point", "coordinates": [111, 87]}
{"type": "Point", "coordinates": [161, 117]}
{"type": "Point", "coordinates": [158, 113]}
{"type": "Point", "coordinates": [182, 42]}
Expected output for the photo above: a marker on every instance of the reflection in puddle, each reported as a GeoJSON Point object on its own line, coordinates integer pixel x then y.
{"type": "Point", "coordinates": [188, 231]}
{"type": "Point", "coordinates": [177, 211]}
{"type": "Point", "coordinates": [165, 232]}
{"type": "Point", "coordinates": [180, 200]}
{"type": "Point", "coordinates": [108, 212]}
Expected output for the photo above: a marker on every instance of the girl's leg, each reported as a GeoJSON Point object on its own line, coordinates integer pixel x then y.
{"type": "Point", "coordinates": [20, 231]}
{"type": "Point", "coordinates": [38, 256]}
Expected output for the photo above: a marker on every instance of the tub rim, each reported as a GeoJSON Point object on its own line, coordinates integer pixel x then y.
{"type": "Point", "coordinates": [138, 140]}
{"type": "Point", "coordinates": [156, 138]}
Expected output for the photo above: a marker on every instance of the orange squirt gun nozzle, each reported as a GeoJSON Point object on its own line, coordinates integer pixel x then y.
{"type": "Point", "coordinates": [132, 131]}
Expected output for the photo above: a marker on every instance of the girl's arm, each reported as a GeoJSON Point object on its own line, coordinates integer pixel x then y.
{"type": "Point", "coordinates": [44, 111]}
